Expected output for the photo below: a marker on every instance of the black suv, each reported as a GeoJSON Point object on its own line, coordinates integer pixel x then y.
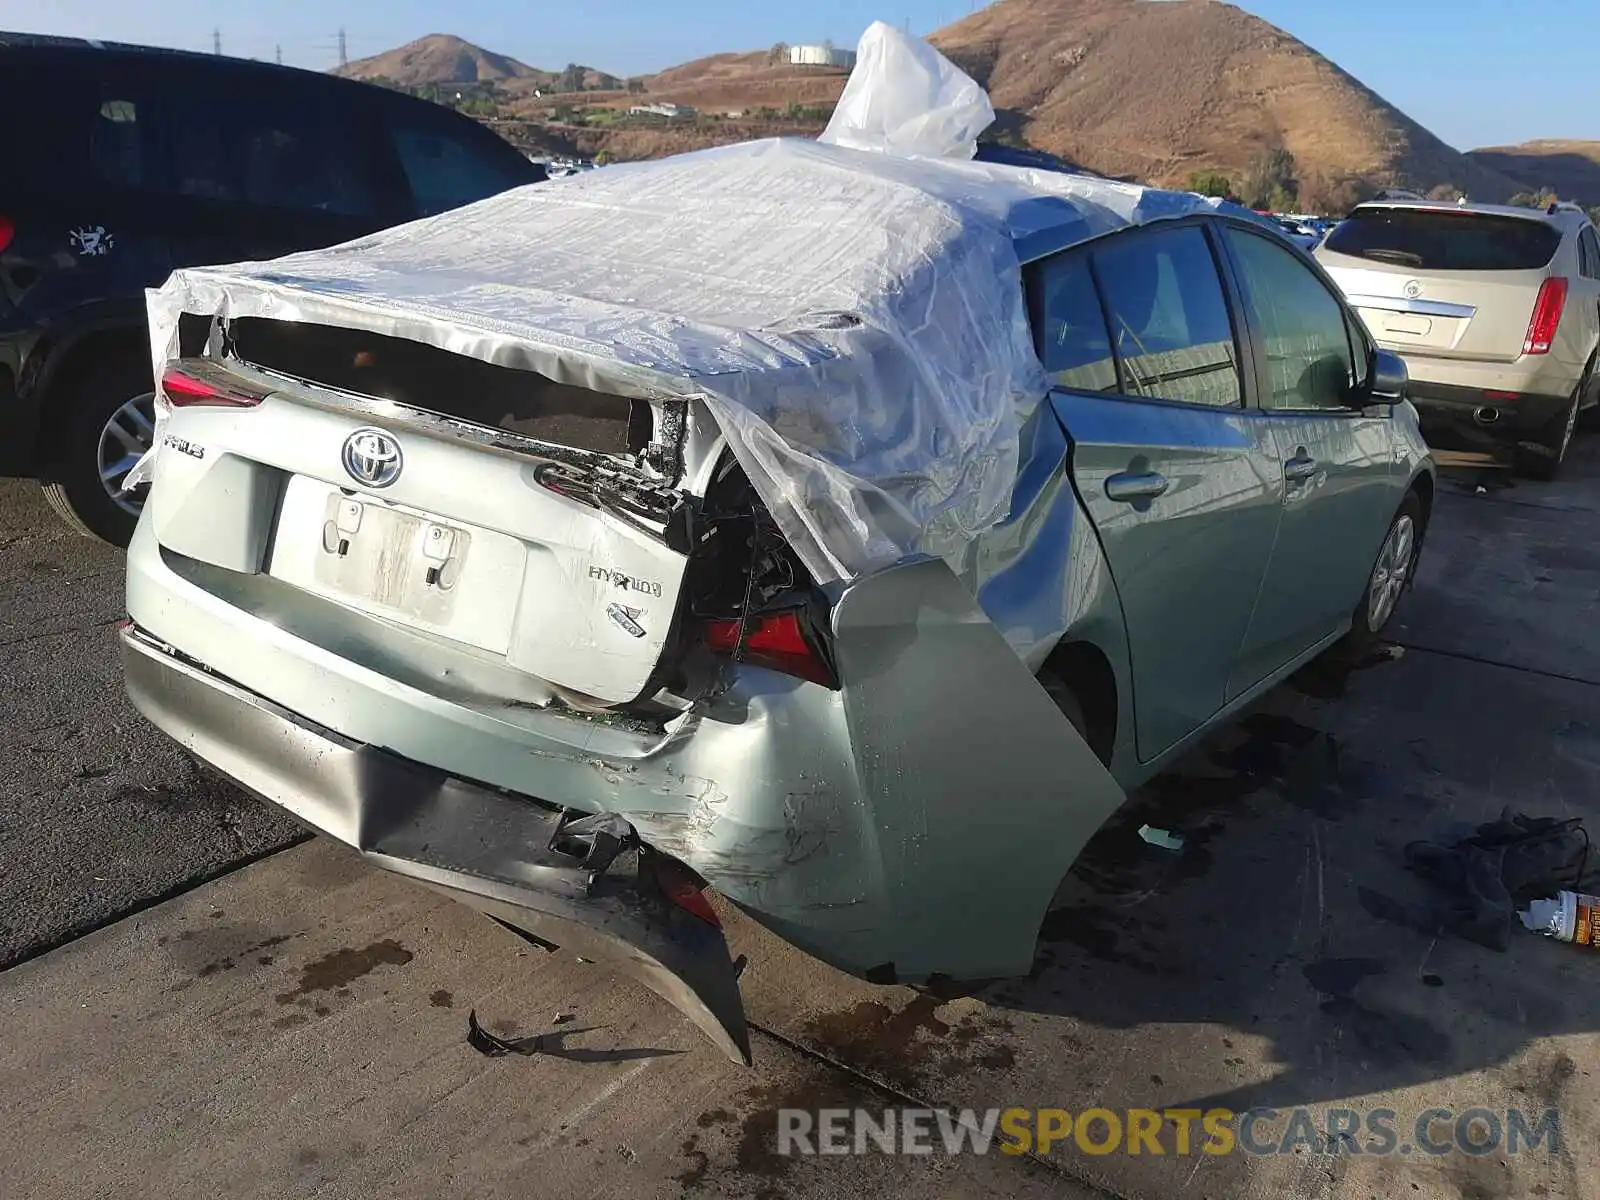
{"type": "Point", "coordinates": [124, 163]}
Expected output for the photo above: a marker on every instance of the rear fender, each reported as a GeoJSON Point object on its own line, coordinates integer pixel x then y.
{"type": "Point", "coordinates": [981, 792]}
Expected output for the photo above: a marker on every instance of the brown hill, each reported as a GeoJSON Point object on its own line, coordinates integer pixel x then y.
{"type": "Point", "coordinates": [1570, 169]}
{"type": "Point", "coordinates": [1159, 90]}
{"type": "Point", "coordinates": [440, 58]}
{"type": "Point", "coordinates": [1130, 88]}
{"type": "Point", "coordinates": [745, 81]}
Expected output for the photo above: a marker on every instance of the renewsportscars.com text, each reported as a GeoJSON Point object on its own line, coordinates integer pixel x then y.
{"type": "Point", "coordinates": [1179, 1131]}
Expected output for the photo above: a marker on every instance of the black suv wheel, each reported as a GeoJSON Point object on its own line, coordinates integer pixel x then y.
{"type": "Point", "coordinates": [109, 422]}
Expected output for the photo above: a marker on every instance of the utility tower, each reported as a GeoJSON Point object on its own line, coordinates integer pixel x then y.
{"type": "Point", "coordinates": [277, 53]}
{"type": "Point", "coordinates": [216, 41]}
{"type": "Point", "coordinates": [344, 56]}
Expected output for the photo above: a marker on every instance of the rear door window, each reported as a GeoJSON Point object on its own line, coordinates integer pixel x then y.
{"type": "Point", "coordinates": [1169, 319]}
{"type": "Point", "coordinates": [447, 167]}
{"type": "Point", "coordinates": [1446, 239]}
{"type": "Point", "coordinates": [276, 148]}
{"type": "Point", "coordinates": [1070, 327]}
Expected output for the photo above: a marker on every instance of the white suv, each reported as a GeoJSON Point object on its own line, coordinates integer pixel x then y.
{"type": "Point", "coordinates": [1495, 310]}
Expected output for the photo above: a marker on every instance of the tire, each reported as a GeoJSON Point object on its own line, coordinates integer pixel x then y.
{"type": "Point", "coordinates": [1545, 464]}
{"type": "Point", "coordinates": [85, 443]}
{"type": "Point", "coordinates": [1370, 618]}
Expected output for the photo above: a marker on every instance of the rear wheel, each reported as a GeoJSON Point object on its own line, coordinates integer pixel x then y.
{"type": "Point", "coordinates": [109, 423]}
{"type": "Point", "coordinates": [1545, 463]}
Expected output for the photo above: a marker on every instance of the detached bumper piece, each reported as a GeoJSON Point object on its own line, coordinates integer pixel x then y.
{"type": "Point", "coordinates": [582, 882]}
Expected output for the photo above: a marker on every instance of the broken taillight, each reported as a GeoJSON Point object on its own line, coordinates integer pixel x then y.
{"type": "Point", "coordinates": [199, 383]}
{"type": "Point", "coordinates": [683, 888]}
{"type": "Point", "coordinates": [776, 640]}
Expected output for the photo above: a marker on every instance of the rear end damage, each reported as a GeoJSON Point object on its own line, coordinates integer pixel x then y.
{"type": "Point", "coordinates": [872, 772]}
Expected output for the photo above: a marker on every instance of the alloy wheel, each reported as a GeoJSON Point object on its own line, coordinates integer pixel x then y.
{"type": "Point", "coordinates": [1572, 424]}
{"type": "Point", "coordinates": [126, 437]}
{"type": "Point", "coordinates": [1390, 573]}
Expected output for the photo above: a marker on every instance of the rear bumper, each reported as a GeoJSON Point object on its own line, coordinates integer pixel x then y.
{"type": "Point", "coordinates": [588, 885]}
{"type": "Point", "coordinates": [1484, 414]}
{"type": "Point", "coordinates": [915, 822]}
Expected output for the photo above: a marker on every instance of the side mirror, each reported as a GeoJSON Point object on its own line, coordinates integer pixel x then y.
{"type": "Point", "coordinates": [1388, 379]}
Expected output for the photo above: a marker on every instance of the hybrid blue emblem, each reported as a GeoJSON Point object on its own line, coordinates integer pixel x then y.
{"type": "Point", "coordinates": [372, 457]}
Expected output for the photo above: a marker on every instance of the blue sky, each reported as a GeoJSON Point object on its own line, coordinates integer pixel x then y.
{"type": "Point", "coordinates": [1476, 72]}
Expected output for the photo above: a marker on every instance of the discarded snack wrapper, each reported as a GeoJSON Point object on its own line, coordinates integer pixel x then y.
{"type": "Point", "coordinates": [1567, 917]}
{"type": "Point", "coordinates": [1165, 839]}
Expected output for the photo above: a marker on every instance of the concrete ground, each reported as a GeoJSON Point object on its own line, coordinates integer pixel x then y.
{"type": "Point", "coordinates": [298, 1026]}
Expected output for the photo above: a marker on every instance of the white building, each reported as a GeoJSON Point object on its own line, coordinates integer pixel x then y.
{"type": "Point", "coordinates": [669, 111]}
{"type": "Point", "coordinates": [824, 55]}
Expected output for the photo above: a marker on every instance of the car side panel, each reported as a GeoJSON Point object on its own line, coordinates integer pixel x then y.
{"type": "Point", "coordinates": [1578, 335]}
{"type": "Point", "coordinates": [1041, 577]}
{"type": "Point", "coordinates": [1188, 564]}
{"type": "Point", "coordinates": [1333, 523]}
{"type": "Point", "coordinates": [981, 795]}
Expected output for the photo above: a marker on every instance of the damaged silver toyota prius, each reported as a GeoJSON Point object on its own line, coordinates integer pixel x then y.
{"type": "Point", "coordinates": [838, 528]}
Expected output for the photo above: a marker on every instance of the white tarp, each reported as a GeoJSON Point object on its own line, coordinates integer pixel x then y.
{"type": "Point", "coordinates": [853, 316]}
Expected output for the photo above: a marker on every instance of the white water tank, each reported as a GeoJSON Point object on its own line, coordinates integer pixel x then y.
{"type": "Point", "coordinates": [821, 56]}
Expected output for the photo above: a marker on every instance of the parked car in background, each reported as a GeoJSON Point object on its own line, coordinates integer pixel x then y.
{"type": "Point", "coordinates": [123, 163]}
{"type": "Point", "coordinates": [1299, 232]}
{"type": "Point", "coordinates": [571, 588]}
{"type": "Point", "coordinates": [1496, 311]}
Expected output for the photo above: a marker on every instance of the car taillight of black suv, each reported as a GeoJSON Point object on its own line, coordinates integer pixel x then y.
{"type": "Point", "coordinates": [125, 163]}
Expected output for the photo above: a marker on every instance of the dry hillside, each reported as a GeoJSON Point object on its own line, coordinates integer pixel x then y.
{"type": "Point", "coordinates": [1570, 169]}
{"type": "Point", "coordinates": [1158, 90]}
{"type": "Point", "coordinates": [1130, 88]}
{"type": "Point", "coordinates": [440, 58]}
{"type": "Point", "coordinates": [729, 82]}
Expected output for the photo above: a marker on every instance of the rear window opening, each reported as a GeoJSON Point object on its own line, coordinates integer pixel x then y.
{"type": "Point", "coordinates": [453, 385]}
{"type": "Point", "coordinates": [1445, 239]}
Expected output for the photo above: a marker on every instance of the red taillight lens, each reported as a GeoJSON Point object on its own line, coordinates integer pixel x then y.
{"type": "Point", "coordinates": [197, 383]}
{"type": "Point", "coordinates": [8, 230]}
{"type": "Point", "coordinates": [777, 641]}
{"type": "Point", "coordinates": [692, 899]}
{"type": "Point", "coordinates": [681, 886]}
{"type": "Point", "coordinates": [1547, 311]}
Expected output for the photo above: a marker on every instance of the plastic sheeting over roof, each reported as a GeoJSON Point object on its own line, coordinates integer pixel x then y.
{"type": "Point", "coordinates": [851, 310]}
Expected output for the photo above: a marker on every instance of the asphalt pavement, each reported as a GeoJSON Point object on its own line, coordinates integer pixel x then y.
{"type": "Point", "coordinates": [99, 813]}
{"type": "Point", "coordinates": [298, 1026]}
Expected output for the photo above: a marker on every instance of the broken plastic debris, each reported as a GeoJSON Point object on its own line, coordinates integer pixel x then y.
{"type": "Point", "coordinates": [1566, 916]}
{"type": "Point", "coordinates": [563, 1017]}
{"type": "Point", "coordinates": [1165, 839]}
{"type": "Point", "coordinates": [485, 1043]}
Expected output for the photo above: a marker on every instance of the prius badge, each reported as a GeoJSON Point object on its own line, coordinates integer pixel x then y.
{"type": "Point", "coordinates": [372, 457]}
{"type": "Point", "coordinates": [626, 618]}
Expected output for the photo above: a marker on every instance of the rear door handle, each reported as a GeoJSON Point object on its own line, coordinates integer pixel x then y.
{"type": "Point", "coordinates": [1301, 466]}
{"type": "Point", "coordinates": [1129, 486]}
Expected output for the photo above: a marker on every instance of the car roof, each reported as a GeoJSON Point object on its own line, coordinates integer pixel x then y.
{"type": "Point", "coordinates": [1561, 216]}
{"type": "Point", "coordinates": [54, 43]}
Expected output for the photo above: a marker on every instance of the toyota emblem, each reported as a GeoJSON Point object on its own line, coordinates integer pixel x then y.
{"type": "Point", "coordinates": [1413, 288]}
{"type": "Point", "coordinates": [372, 457]}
